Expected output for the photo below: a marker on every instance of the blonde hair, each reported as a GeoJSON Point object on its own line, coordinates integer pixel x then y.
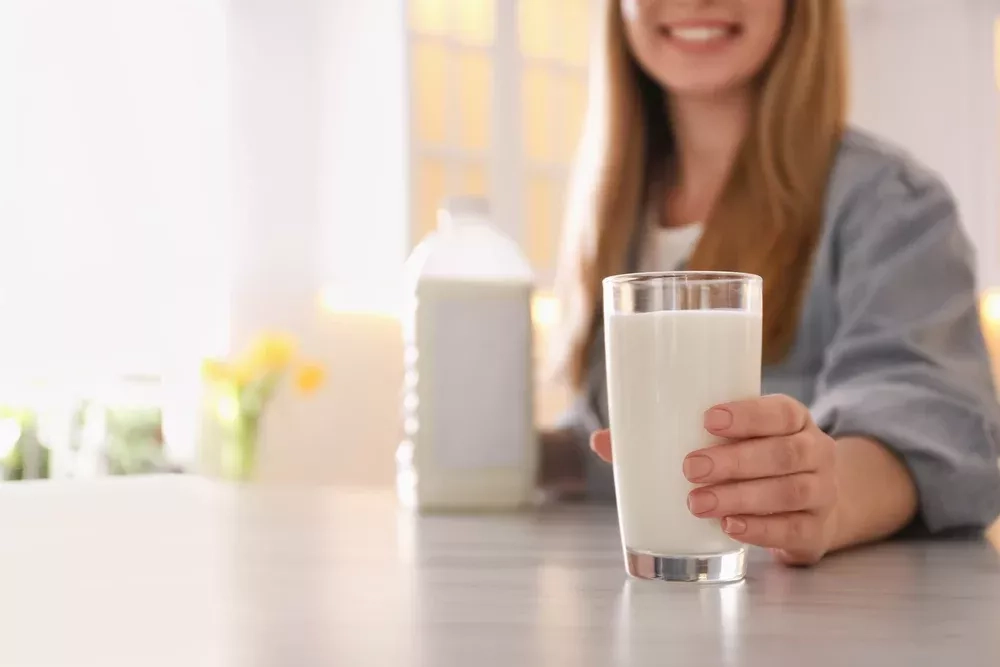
{"type": "Point", "coordinates": [767, 219]}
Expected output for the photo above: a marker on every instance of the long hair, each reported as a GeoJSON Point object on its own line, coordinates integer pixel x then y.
{"type": "Point", "coordinates": [767, 219]}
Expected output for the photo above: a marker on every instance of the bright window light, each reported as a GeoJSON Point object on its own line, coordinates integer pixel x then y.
{"type": "Point", "coordinates": [114, 192]}
{"type": "Point", "coordinates": [990, 306]}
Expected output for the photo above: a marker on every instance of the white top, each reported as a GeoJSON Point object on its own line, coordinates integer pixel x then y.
{"type": "Point", "coordinates": [667, 247]}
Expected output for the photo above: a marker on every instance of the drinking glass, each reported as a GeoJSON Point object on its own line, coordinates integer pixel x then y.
{"type": "Point", "coordinates": [676, 344]}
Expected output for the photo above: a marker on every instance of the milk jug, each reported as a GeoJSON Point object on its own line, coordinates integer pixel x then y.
{"type": "Point", "coordinates": [469, 440]}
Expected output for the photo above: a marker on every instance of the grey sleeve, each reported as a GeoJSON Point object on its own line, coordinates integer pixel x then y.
{"type": "Point", "coordinates": [589, 413]}
{"type": "Point", "coordinates": [908, 366]}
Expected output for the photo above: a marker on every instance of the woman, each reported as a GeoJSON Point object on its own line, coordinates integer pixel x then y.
{"type": "Point", "coordinates": [720, 143]}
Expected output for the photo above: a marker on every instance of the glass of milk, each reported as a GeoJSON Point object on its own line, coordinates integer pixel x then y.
{"type": "Point", "coordinates": [677, 344]}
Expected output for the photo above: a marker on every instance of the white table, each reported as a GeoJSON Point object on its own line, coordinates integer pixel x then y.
{"type": "Point", "coordinates": [182, 571]}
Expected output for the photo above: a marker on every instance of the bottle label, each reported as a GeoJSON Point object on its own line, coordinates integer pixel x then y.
{"type": "Point", "coordinates": [475, 378]}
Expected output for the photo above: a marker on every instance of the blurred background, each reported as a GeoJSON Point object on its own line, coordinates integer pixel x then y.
{"type": "Point", "coordinates": [179, 176]}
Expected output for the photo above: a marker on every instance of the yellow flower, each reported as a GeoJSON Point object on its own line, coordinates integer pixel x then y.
{"type": "Point", "coordinates": [242, 374]}
{"type": "Point", "coordinates": [214, 370]}
{"type": "Point", "coordinates": [272, 352]}
{"type": "Point", "coordinates": [223, 373]}
{"type": "Point", "coordinates": [310, 378]}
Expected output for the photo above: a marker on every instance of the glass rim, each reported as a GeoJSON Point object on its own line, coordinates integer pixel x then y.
{"type": "Point", "coordinates": [698, 277]}
{"type": "Point", "coordinates": [702, 277]}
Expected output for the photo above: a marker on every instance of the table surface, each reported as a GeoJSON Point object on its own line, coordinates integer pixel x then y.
{"type": "Point", "coordinates": [183, 571]}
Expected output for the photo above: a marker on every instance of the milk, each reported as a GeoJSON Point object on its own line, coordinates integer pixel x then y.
{"type": "Point", "coordinates": [469, 441]}
{"type": "Point", "coordinates": [468, 404]}
{"type": "Point", "coordinates": [665, 369]}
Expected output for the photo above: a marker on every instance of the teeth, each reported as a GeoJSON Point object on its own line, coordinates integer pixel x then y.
{"type": "Point", "coordinates": [698, 34]}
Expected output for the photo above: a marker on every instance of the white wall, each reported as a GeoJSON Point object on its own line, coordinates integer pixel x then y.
{"type": "Point", "coordinates": [114, 186]}
{"type": "Point", "coordinates": [365, 145]}
{"type": "Point", "coordinates": [319, 102]}
{"type": "Point", "coordinates": [924, 77]}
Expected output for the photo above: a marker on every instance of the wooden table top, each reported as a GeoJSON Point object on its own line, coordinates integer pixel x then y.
{"type": "Point", "coordinates": [183, 571]}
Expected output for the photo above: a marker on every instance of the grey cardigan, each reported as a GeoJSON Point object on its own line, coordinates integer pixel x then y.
{"type": "Point", "coordinates": [889, 344]}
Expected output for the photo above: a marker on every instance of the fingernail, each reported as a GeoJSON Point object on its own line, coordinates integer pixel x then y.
{"type": "Point", "coordinates": [717, 419]}
{"type": "Point", "coordinates": [697, 467]}
{"type": "Point", "coordinates": [732, 525]}
{"type": "Point", "coordinates": [700, 501]}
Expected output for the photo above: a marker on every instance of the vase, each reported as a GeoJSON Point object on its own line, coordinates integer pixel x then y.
{"type": "Point", "coordinates": [239, 453]}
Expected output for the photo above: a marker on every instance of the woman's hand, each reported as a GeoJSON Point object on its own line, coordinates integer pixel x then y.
{"type": "Point", "coordinates": [773, 485]}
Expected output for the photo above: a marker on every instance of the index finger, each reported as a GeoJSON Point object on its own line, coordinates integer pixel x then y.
{"type": "Point", "coordinates": [758, 418]}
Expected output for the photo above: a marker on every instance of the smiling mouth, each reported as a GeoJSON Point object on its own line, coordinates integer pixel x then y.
{"type": "Point", "coordinates": [701, 34]}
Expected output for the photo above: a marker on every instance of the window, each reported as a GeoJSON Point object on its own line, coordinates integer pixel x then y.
{"type": "Point", "coordinates": [498, 95]}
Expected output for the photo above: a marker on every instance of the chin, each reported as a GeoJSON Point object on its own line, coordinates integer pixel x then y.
{"type": "Point", "coordinates": [703, 87]}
